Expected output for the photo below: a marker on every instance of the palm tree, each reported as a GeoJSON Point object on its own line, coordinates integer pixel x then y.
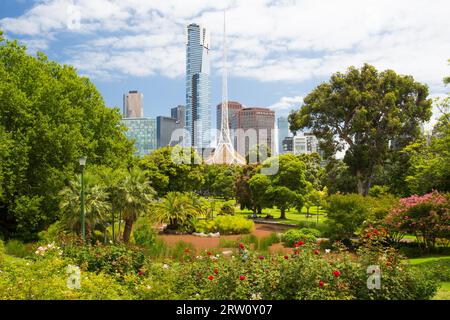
{"type": "Point", "coordinates": [137, 195]}
{"type": "Point", "coordinates": [96, 204]}
{"type": "Point", "coordinates": [114, 181]}
{"type": "Point", "coordinates": [175, 209]}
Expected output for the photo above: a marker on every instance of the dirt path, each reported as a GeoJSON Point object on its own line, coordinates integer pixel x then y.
{"type": "Point", "coordinates": [200, 243]}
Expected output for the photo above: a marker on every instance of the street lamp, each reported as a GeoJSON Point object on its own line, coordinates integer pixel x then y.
{"type": "Point", "coordinates": [83, 223]}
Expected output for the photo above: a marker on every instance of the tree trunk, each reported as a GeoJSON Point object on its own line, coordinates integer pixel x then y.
{"type": "Point", "coordinates": [363, 183]}
{"type": "Point", "coordinates": [127, 230]}
{"type": "Point", "coordinates": [283, 213]}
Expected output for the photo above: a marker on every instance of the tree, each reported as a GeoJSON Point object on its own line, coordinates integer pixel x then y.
{"type": "Point", "coordinates": [219, 180]}
{"type": "Point", "coordinates": [363, 110]}
{"type": "Point", "coordinates": [259, 184]}
{"type": "Point", "coordinates": [243, 193]}
{"type": "Point", "coordinates": [52, 116]}
{"type": "Point", "coordinates": [291, 176]}
{"type": "Point", "coordinates": [283, 198]}
{"type": "Point", "coordinates": [167, 174]}
{"type": "Point", "coordinates": [176, 209]}
{"type": "Point", "coordinates": [429, 159]}
{"type": "Point", "coordinates": [314, 173]}
{"type": "Point", "coordinates": [338, 178]}
{"type": "Point", "coordinates": [137, 196]}
{"type": "Point", "coordinates": [96, 204]}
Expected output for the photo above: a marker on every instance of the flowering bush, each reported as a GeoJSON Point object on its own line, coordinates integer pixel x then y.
{"type": "Point", "coordinates": [427, 217]}
{"type": "Point", "coordinates": [49, 249]}
{"type": "Point", "coordinates": [292, 236]}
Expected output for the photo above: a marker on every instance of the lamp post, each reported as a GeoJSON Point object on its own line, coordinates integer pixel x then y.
{"type": "Point", "coordinates": [83, 222]}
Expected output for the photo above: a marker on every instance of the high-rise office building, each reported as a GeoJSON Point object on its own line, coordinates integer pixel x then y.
{"type": "Point", "coordinates": [143, 131]}
{"type": "Point", "coordinates": [198, 111]}
{"type": "Point", "coordinates": [179, 113]}
{"type": "Point", "coordinates": [283, 132]}
{"type": "Point", "coordinates": [133, 104]}
{"type": "Point", "coordinates": [253, 126]}
{"type": "Point", "coordinates": [165, 126]}
{"type": "Point", "coordinates": [233, 107]}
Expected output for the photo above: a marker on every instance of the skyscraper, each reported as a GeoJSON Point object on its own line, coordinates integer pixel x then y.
{"type": "Point", "coordinates": [253, 126]}
{"type": "Point", "coordinates": [179, 113]}
{"type": "Point", "coordinates": [283, 132]}
{"type": "Point", "coordinates": [198, 111]}
{"type": "Point", "coordinates": [133, 104]}
{"type": "Point", "coordinates": [233, 107]}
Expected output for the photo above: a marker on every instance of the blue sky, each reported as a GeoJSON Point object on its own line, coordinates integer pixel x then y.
{"type": "Point", "coordinates": [278, 49]}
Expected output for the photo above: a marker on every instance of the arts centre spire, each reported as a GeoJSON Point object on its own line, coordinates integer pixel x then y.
{"type": "Point", "coordinates": [225, 152]}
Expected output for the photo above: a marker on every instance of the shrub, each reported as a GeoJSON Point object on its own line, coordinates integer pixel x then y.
{"type": "Point", "coordinates": [16, 248]}
{"type": "Point", "coordinates": [425, 216]}
{"type": "Point", "coordinates": [227, 208]}
{"type": "Point", "coordinates": [346, 213]}
{"type": "Point", "coordinates": [293, 236]}
{"type": "Point", "coordinates": [143, 234]}
{"type": "Point", "coordinates": [225, 225]}
{"type": "Point", "coordinates": [112, 259]}
{"type": "Point", "coordinates": [377, 191]}
{"type": "Point", "coordinates": [52, 233]}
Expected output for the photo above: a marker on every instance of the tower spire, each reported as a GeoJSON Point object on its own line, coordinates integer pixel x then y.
{"type": "Point", "coordinates": [224, 152]}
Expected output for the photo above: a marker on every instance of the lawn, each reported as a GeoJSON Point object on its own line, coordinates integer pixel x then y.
{"type": "Point", "coordinates": [441, 265]}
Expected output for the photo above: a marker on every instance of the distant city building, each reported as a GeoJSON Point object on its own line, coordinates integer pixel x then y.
{"type": "Point", "coordinates": [287, 145]}
{"type": "Point", "coordinates": [133, 104]}
{"type": "Point", "coordinates": [198, 111]}
{"type": "Point", "coordinates": [165, 126]}
{"type": "Point", "coordinates": [179, 113]}
{"type": "Point", "coordinates": [260, 121]}
{"type": "Point", "coordinates": [143, 131]}
{"type": "Point", "coordinates": [305, 144]}
{"type": "Point", "coordinates": [283, 132]}
{"type": "Point", "coordinates": [233, 108]}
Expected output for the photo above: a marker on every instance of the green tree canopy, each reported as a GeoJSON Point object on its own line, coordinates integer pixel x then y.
{"type": "Point", "coordinates": [362, 110]}
{"type": "Point", "coordinates": [51, 117]}
{"type": "Point", "coordinates": [168, 173]}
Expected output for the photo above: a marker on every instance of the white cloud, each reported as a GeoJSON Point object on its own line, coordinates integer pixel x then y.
{"type": "Point", "coordinates": [285, 40]}
{"type": "Point", "coordinates": [286, 104]}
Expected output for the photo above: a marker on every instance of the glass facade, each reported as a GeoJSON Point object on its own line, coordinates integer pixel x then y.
{"type": "Point", "coordinates": [198, 110]}
{"type": "Point", "coordinates": [143, 131]}
{"type": "Point", "coordinates": [283, 132]}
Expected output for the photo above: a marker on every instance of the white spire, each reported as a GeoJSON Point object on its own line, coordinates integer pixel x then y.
{"type": "Point", "coordinates": [224, 152]}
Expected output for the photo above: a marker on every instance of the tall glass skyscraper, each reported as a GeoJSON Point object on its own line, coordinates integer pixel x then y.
{"type": "Point", "coordinates": [198, 111]}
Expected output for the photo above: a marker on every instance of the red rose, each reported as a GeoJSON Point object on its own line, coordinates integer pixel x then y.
{"type": "Point", "coordinates": [296, 251]}
{"type": "Point", "coordinates": [211, 278]}
{"type": "Point", "coordinates": [296, 245]}
{"type": "Point", "coordinates": [186, 250]}
{"type": "Point", "coordinates": [321, 283]}
{"type": "Point", "coordinates": [261, 257]}
{"type": "Point", "coordinates": [242, 278]}
{"type": "Point", "coordinates": [286, 257]}
{"type": "Point", "coordinates": [141, 273]}
{"type": "Point", "coordinates": [300, 243]}
{"type": "Point", "coordinates": [336, 273]}
{"type": "Point", "coordinates": [209, 253]}
{"type": "Point", "coordinates": [317, 251]}
{"type": "Point", "coordinates": [216, 271]}
{"type": "Point", "coordinates": [241, 245]}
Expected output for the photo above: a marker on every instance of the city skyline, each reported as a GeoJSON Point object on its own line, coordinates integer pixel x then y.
{"type": "Point", "coordinates": [273, 65]}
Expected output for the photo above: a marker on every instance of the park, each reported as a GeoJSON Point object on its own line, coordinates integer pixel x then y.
{"type": "Point", "coordinates": [73, 194]}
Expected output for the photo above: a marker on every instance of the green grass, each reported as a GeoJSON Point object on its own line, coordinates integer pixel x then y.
{"type": "Point", "coordinates": [443, 292]}
{"type": "Point", "coordinates": [426, 259]}
{"type": "Point", "coordinates": [440, 266]}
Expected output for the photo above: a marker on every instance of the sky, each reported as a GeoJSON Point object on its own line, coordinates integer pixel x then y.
{"type": "Point", "coordinates": [278, 50]}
